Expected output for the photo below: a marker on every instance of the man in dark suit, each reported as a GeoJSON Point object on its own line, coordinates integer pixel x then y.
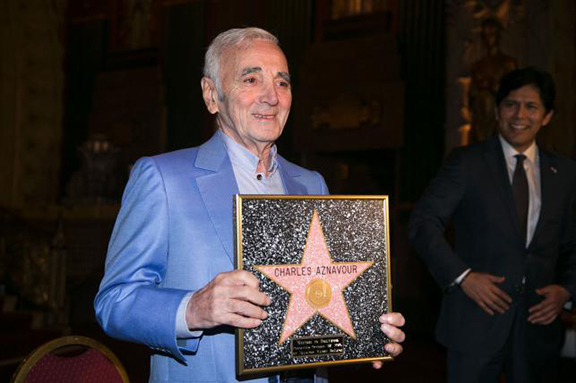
{"type": "Point", "coordinates": [512, 267]}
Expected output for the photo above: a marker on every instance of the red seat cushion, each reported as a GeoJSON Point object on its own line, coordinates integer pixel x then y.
{"type": "Point", "coordinates": [89, 367]}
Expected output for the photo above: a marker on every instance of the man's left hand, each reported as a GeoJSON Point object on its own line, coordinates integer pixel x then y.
{"type": "Point", "coordinates": [546, 311]}
{"type": "Point", "coordinates": [389, 326]}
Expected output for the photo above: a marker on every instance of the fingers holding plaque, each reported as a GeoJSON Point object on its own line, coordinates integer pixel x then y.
{"type": "Point", "coordinates": [324, 261]}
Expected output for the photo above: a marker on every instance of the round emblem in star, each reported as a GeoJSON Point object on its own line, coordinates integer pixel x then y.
{"type": "Point", "coordinates": [318, 293]}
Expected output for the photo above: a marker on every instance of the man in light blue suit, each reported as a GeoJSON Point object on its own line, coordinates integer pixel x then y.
{"type": "Point", "coordinates": [169, 280]}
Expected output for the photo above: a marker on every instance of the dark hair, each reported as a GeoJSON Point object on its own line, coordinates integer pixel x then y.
{"type": "Point", "coordinates": [528, 76]}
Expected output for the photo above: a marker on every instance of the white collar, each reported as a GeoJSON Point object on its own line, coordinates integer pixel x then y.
{"type": "Point", "coordinates": [509, 151]}
{"type": "Point", "coordinates": [245, 158]}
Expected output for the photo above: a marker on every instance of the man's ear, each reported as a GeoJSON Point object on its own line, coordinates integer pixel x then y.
{"type": "Point", "coordinates": [548, 117]}
{"type": "Point", "coordinates": [209, 94]}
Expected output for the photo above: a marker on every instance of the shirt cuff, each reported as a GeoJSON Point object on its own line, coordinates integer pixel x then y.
{"type": "Point", "coordinates": [182, 331]}
{"type": "Point", "coordinates": [461, 277]}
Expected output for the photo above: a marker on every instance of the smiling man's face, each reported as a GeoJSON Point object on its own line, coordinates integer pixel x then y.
{"type": "Point", "coordinates": [520, 115]}
{"type": "Point", "coordinates": [256, 94]}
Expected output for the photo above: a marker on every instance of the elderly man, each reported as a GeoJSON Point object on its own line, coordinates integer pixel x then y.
{"type": "Point", "coordinates": [513, 264]}
{"type": "Point", "coordinates": [169, 282]}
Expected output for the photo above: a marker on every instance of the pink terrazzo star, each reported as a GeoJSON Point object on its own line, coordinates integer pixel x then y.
{"type": "Point", "coordinates": [315, 285]}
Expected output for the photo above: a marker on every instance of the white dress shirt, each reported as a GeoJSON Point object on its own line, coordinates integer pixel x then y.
{"type": "Point", "coordinates": [532, 169]}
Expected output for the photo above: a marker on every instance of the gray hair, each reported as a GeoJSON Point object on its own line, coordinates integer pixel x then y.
{"type": "Point", "coordinates": [237, 37]}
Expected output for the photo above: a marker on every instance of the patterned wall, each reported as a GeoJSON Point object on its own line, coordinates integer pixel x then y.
{"type": "Point", "coordinates": [536, 32]}
{"type": "Point", "coordinates": [31, 108]}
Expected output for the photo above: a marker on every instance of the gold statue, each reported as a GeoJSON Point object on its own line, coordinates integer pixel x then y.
{"type": "Point", "coordinates": [486, 74]}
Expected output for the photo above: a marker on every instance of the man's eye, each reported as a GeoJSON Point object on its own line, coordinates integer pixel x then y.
{"type": "Point", "coordinates": [284, 84]}
{"type": "Point", "coordinates": [250, 80]}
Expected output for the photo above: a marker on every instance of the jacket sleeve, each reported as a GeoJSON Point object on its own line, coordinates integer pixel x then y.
{"type": "Point", "coordinates": [131, 304]}
{"type": "Point", "coordinates": [430, 217]}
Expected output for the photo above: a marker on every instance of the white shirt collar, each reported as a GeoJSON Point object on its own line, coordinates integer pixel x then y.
{"type": "Point", "coordinates": [509, 151]}
{"type": "Point", "coordinates": [244, 158]}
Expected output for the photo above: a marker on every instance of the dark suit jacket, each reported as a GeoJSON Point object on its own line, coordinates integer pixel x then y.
{"type": "Point", "coordinates": [473, 189]}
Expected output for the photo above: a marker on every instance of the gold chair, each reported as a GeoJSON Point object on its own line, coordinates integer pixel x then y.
{"type": "Point", "coordinates": [70, 359]}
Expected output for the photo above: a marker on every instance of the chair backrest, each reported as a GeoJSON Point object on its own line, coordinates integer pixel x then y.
{"type": "Point", "coordinates": [71, 359]}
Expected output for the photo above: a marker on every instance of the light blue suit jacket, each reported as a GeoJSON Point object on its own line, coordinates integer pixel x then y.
{"type": "Point", "coordinates": [174, 234]}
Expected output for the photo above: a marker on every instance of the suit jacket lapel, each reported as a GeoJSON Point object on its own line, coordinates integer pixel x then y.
{"type": "Point", "coordinates": [548, 180]}
{"type": "Point", "coordinates": [497, 164]}
{"type": "Point", "coordinates": [290, 174]}
{"type": "Point", "coordinates": [217, 189]}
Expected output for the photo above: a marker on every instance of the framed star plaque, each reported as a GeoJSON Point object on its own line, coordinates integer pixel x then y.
{"type": "Point", "coordinates": [324, 262]}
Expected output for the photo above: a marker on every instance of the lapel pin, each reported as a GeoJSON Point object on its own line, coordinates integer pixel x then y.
{"type": "Point", "coordinates": [553, 170]}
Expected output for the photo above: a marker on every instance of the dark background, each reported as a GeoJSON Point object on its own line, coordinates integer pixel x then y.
{"type": "Point", "coordinates": [127, 73]}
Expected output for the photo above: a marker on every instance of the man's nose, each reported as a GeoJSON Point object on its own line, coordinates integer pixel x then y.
{"type": "Point", "coordinates": [521, 111]}
{"type": "Point", "coordinates": [269, 94]}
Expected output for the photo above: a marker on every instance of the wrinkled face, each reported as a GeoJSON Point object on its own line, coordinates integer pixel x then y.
{"type": "Point", "coordinates": [256, 95]}
{"type": "Point", "coordinates": [521, 115]}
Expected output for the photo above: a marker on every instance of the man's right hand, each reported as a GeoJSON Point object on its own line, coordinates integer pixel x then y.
{"type": "Point", "coordinates": [231, 298]}
{"type": "Point", "coordinates": [482, 289]}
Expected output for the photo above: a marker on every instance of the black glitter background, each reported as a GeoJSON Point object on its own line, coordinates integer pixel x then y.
{"type": "Point", "coordinates": [274, 232]}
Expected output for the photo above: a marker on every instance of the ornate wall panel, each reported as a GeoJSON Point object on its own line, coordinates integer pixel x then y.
{"type": "Point", "coordinates": [31, 101]}
{"type": "Point", "coordinates": [535, 32]}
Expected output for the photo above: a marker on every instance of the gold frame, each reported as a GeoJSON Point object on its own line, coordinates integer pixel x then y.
{"type": "Point", "coordinates": [239, 338]}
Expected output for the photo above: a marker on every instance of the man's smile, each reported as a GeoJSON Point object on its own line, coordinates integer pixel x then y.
{"type": "Point", "coordinates": [519, 127]}
{"type": "Point", "coordinates": [264, 116]}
